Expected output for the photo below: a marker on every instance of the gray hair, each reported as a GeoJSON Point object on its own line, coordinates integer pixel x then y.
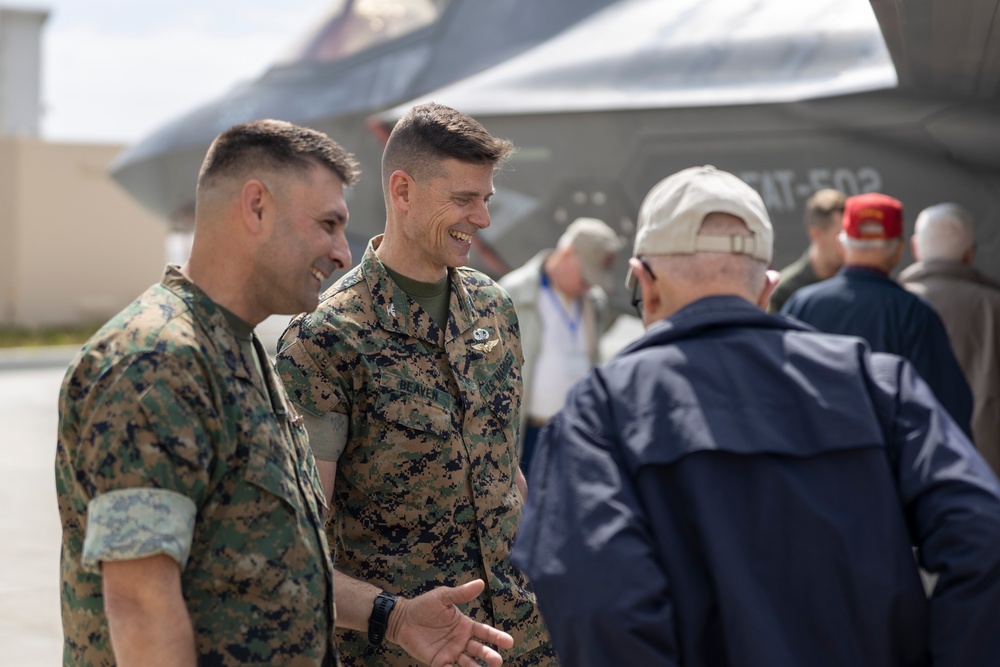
{"type": "Point", "coordinates": [943, 232]}
{"type": "Point", "coordinates": [888, 245]}
{"type": "Point", "coordinates": [742, 271]}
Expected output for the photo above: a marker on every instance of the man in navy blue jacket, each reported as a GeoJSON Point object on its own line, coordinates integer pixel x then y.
{"type": "Point", "coordinates": [862, 300]}
{"type": "Point", "coordinates": [736, 488]}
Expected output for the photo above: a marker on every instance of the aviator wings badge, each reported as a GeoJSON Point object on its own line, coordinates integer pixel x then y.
{"type": "Point", "coordinates": [487, 346]}
{"type": "Point", "coordinates": [483, 345]}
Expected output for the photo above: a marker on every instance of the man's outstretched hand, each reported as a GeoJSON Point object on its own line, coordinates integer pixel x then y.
{"type": "Point", "coordinates": [433, 630]}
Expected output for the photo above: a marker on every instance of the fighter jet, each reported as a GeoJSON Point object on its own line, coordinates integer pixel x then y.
{"type": "Point", "coordinates": [364, 57]}
{"type": "Point", "coordinates": [609, 97]}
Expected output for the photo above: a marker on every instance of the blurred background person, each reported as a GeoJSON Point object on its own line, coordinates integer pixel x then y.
{"type": "Point", "coordinates": [561, 298]}
{"type": "Point", "coordinates": [968, 302]}
{"type": "Point", "coordinates": [824, 256]}
{"type": "Point", "coordinates": [863, 300]}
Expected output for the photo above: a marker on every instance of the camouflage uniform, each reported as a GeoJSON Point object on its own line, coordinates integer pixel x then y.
{"type": "Point", "coordinates": [170, 443]}
{"type": "Point", "coordinates": [424, 493]}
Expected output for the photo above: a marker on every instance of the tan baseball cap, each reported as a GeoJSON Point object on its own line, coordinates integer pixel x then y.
{"type": "Point", "coordinates": [597, 245]}
{"type": "Point", "coordinates": [671, 216]}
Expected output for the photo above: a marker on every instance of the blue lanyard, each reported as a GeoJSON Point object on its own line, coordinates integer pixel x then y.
{"type": "Point", "coordinates": [572, 323]}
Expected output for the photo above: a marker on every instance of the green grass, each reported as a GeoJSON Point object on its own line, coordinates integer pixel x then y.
{"type": "Point", "coordinates": [35, 337]}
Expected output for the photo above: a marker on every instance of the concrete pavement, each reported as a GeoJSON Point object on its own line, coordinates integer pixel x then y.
{"type": "Point", "coordinates": [30, 627]}
{"type": "Point", "coordinates": [21, 358]}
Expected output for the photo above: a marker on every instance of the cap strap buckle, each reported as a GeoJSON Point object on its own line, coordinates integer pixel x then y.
{"type": "Point", "coordinates": [742, 245]}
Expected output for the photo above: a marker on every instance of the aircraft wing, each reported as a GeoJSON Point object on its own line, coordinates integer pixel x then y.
{"type": "Point", "coordinates": [650, 54]}
{"type": "Point", "coordinates": [329, 86]}
{"type": "Point", "coordinates": [949, 47]}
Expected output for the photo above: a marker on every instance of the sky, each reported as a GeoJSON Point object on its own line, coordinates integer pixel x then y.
{"type": "Point", "coordinates": [115, 70]}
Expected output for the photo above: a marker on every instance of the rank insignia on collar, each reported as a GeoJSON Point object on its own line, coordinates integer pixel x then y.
{"type": "Point", "coordinates": [392, 310]}
{"type": "Point", "coordinates": [487, 346]}
{"type": "Point", "coordinates": [481, 334]}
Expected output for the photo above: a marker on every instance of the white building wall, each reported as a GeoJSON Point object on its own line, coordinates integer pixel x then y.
{"type": "Point", "coordinates": [20, 70]}
{"type": "Point", "coordinates": [75, 248]}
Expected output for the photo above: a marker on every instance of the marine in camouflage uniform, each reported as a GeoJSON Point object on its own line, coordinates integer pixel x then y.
{"type": "Point", "coordinates": [172, 442]}
{"type": "Point", "coordinates": [424, 492]}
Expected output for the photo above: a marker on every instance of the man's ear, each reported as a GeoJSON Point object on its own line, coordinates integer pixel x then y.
{"type": "Point", "coordinates": [400, 189]}
{"type": "Point", "coordinates": [651, 299]}
{"type": "Point", "coordinates": [770, 282]}
{"type": "Point", "coordinates": [255, 200]}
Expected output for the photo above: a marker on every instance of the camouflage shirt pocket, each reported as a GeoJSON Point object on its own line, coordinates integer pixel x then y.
{"type": "Point", "coordinates": [274, 473]}
{"type": "Point", "coordinates": [406, 455]}
{"type": "Point", "coordinates": [410, 416]}
{"type": "Point", "coordinates": [257, 521]}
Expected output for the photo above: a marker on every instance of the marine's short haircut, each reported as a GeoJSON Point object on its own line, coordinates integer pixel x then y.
{"type": "Point", "coordinates": [824, 209]}
{"type": "Point", "coordinates": [274, 145]}
{"type": "Point", "coordinates": [430, 133]}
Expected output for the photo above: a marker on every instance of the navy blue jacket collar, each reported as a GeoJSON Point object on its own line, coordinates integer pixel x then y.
{"type": "Point", "coordinates": [710, 313]}
{"type": "Point", "coordinates": [865, 272]}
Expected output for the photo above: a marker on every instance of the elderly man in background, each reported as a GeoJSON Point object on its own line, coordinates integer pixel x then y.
{"type": "Point", "coordinates": [824, 256]}
{"type": "Point", "coordinates": [968, 302]}
{"type": "Point", "coordinates": [561, 298]}
{"type": "Point", "coordinates": [736, 488]}
{"type": "Point", "coordinates": [863, 300]}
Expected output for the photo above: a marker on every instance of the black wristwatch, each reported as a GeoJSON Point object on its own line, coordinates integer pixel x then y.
{"type": "Point", "coordinates": [378, 622]}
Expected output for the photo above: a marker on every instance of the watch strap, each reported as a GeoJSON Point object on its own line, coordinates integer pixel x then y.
{"type": "Point", "coordinates": [378, 622]}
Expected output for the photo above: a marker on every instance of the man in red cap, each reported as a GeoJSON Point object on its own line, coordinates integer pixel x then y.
{"type": "Point", "coordinates": [863, 300]}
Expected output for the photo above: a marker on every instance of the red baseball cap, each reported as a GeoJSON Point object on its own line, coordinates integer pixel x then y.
{"type": "Point", "coordinates": [873, 216]}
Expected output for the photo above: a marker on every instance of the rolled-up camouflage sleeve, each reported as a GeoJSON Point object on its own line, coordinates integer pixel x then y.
{"type": "Point", "coordinates": [327, 434]}
{"type": "Point", "coordinates": [324, 413]}
{"type": "Point", "coordinates": [144, 460]}
{"type": "Point", "coordinates": [137, 523]}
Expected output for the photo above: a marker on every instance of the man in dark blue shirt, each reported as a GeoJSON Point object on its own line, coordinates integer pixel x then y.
{"type": "Point", "coordinates": [736, 488]}
{"type": "Point", "coordinates": [862, 300]}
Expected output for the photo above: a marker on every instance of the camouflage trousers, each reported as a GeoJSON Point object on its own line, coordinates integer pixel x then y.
{"type": "Point", "coordinates": [543, 656]}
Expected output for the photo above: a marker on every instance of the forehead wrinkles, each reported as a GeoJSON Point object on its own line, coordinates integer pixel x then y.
{"type": "Point", "coordinates": [468, 176]}
{"type": "Point", "coordinates": [448, 190]}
